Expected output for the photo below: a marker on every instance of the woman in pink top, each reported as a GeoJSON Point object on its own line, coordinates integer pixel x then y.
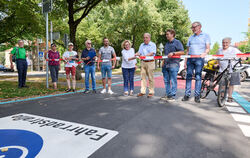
{"type": "Point", "coordinates": [54, 66]}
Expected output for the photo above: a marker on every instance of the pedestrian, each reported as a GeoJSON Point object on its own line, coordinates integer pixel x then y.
{"type": "Point", "coordinates": [105, 54]}
{"type": "Point", "coordinates": [21, 63]}
{"type": "Point", "coordinates": [70, 57]}
{"type": "Point", "coordinates": [170, 66]}
{"type": "Point", "coordinates": [198, 44]}
{"type": "Point", "coordinates": [128, 67]}
{"type": "Point", "coordinates": [147, 48]}
{"type": "Point", "coordinates": [54, 66]}
{"type": "Point", "coordinates": [89, 56]}
{"type": "Point", "coordinates": [235, 76]}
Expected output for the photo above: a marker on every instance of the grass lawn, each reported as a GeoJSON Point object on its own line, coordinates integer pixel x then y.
{"type": "Point", "coordinates": [8, 89]}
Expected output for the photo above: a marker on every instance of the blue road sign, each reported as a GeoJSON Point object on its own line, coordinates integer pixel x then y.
{"type": "Point", "coordinates": [40, 54]}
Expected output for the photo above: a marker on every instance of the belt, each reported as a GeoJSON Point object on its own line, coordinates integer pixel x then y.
{"type": "Point", "coordinates": [148, 60]}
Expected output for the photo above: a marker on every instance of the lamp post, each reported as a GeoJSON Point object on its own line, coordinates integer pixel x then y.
{"type": "Point", "coordinates": [161, 49]}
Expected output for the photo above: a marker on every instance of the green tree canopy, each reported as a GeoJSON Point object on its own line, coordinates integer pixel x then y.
{"type": "Point", "coordinates": [19, 19]}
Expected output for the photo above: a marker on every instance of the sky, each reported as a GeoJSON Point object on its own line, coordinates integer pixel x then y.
{"type": "Point", "coordinates": [220, 18]}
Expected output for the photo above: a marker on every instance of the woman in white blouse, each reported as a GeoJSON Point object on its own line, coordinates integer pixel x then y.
{"type": "Point", "coordinates": [128, 67]}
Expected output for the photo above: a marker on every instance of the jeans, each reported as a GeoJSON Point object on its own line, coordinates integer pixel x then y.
{"type": "Point", "coordinates": [89, 70]}
{"type": "Point", "coordinates": [170, 76]}
{"type": "Point", "coordinates": [106, 69]}
{"type": "Point", "coordinates": [54, 69]}
{"type": "Point", "coordinates": [22, 67]}
{"type": "Point", "coordinates": [197, 65]}
{"type": "Point", "coordinates": [128, 77]}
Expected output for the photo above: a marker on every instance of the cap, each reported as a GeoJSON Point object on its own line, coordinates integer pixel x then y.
{"type": "Point", "coordinates": [70, 44]}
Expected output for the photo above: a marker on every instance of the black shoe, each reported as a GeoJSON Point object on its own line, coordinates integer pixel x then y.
{"type": "Point", "coordinates": [185, 98]}
{"type": "Point", "coordinates": [74, 90]}
{"type": "Point", "coordinates": [94, 91]}
{"type": "Point", "coordinates": [197, 99]}
{"type": "Point", "coordinates": [20, 87]}
{"type": "Point", "coordinates": [170, 98]}
{"type": "Point", "coordinates": [86, 91]}
{"type": "Point", "coordinates": [25, 86]}
{"type": "Point", "coordinates": [68, 90]}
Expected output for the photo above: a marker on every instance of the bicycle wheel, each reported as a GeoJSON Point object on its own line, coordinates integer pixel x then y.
{"type": "Point", "coordinates": [222, 92]}
{"type": "Point", "coordinates": [204, 88]}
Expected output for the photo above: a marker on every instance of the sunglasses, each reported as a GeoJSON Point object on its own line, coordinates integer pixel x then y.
{"type": "Point", "coordinates": [194, 26]}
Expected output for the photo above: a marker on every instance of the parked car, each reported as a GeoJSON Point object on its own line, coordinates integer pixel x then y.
{"type": "Point", "coordinates": [244, 74]}
{"type": "Point", "coordinates": [4, 69]}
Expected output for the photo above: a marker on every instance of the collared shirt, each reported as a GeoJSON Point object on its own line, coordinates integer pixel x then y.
{"type": "Point", "coordinates": [147, 48]}
{"type": "Point", "coordinates": [106, 53]}
{"type": "Point", "coordinates": [20, 53]}
{"type": "Point", "coordinates": [89, 53]}
{"type": "Point", "coordinates": [229, 51]}
{"type": "Point", "coordinates": [172, 46]}
{"type": "Point", "coordinates": [126, 54]}
{"type": "Point", "coordinates": [197, 43]}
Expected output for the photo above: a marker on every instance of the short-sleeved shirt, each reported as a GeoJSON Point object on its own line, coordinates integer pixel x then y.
{"type": "Point", "coordinates": [20, 54]}
{"type": "Point", "coordinates": [54, 55]}
{"type": "Point", "coordinates": [89, 53]}
{"type": "Point", "coordinates": [197, 43]}
{"type": "Point", "coordinates": [172, 46]}
{"type": "Point", "coordinates": [229, 51]}
{"type": "Point", "coordinates": [144, 49]}
{"type": "Point", "coordinates": [126, 54]}
{"type": "Point", "coordinates": [106, 54]}
{"type": "Point", "coordinates": [68, 54]}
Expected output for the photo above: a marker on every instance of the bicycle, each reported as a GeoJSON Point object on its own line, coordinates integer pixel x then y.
{"type": "Point", "coordinates": [212, 79]}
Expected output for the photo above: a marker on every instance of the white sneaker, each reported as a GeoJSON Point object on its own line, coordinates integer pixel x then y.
{"type": "Point", "coordinates": [103, 91]}
{"type": "Point", "coordinates": [110, 91]}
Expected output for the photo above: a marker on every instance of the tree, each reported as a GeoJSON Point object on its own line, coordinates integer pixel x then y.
{"type": "Point", "coordinates": [215, 48]}
{"type": "Point", "coordinates": [19, 19]}
{"type": "Point", "coordinates": [130, 20]}
{"type": "Point", "coordinates": [77, 10]}
{"type": "Point", "coordinates": [174, 16]}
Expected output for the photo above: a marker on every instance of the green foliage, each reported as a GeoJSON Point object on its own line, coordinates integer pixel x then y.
{"type": "Point", "coordinates": [244, 48]}
{"type": "Point", "coordinates": [215, 48]}
{"type": "Point", "coordinates": [131, 19]}
{"type": "Point", "coordinates": [19, 19]}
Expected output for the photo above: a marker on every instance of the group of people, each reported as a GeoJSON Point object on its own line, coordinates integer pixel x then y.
{"type": "Point", "coordinates": [198, 44]}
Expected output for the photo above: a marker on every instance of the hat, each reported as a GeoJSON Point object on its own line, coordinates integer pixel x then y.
{"type": "Point", "coordinates": [70, 44]}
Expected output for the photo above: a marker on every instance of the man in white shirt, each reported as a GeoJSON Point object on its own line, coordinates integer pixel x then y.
{"type": "Point", "coordinates": [228, 50]}
{"type": "Point", "coordinates": [70, 58]}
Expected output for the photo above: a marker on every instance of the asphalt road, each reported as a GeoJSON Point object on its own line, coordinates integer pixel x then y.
{"type": "Point", "coordinates": [148, 128]}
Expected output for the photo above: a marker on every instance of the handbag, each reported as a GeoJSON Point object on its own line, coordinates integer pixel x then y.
{"type": "Point", "coordinates": [14, 56]}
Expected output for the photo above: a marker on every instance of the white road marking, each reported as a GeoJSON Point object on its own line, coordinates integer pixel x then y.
{"type": "Point", "coordinates": [241, 118]}
{"type": "Point", "coordinates": [236, 109]}
{"type": "Point", "coordinates": [245, 129]}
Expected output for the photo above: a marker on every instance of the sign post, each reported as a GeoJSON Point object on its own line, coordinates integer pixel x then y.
{"type": "Point", "coordinates": [47, 7]}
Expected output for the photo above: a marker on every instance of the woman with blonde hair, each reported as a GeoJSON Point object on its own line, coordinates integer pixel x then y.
{"type": "Point", "coordinates": [128, 67]}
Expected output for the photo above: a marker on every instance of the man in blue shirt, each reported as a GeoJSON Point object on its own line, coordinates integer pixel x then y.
{"type": "Point", "coordinates": [147, 48]}
{"type": "Point", "coordinates": [89, 56]}
{"type": "Point", "coordinates": [198, 44]}
{"type": "Point", "coordinates": [170, 66]}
